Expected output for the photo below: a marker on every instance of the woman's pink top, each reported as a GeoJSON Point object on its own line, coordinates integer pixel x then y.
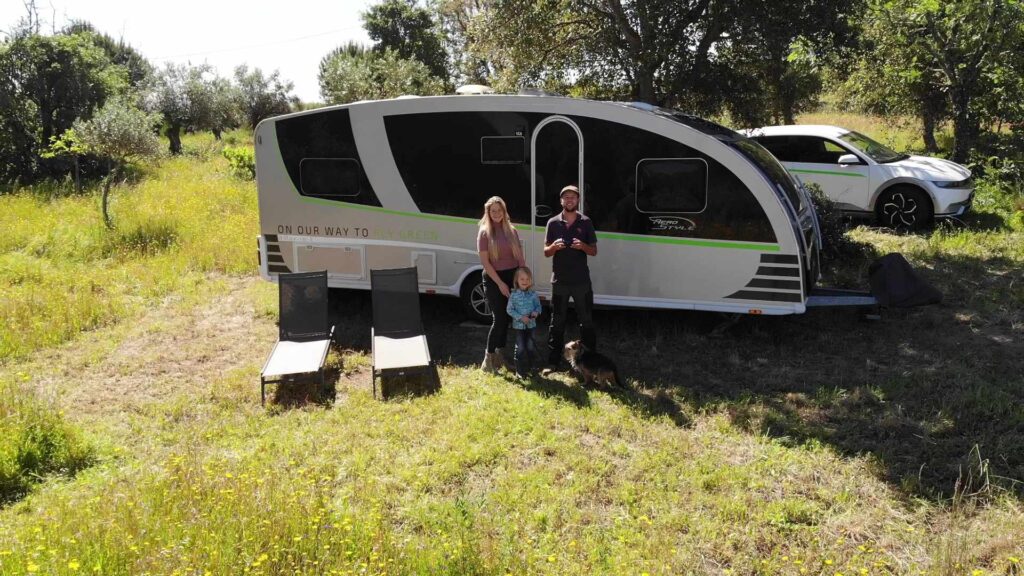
{"type": "Point", "coordinates": [505, 259]}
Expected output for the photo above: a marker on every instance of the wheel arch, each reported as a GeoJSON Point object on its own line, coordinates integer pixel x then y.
{"type": "Point", "coordinates": [900, 182]}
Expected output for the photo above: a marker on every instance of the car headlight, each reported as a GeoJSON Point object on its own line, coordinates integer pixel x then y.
{"type": "Point", "coordinates": [968, 183]}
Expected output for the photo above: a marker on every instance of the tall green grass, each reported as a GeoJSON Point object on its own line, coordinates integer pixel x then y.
{"type": "Point", "coordinates": [62, 272]}
{"type": "Point", "coordinates": [35, 441]}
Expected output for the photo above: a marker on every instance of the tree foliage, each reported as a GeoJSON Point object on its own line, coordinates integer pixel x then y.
{"type": "Point", "coordinates": [262, 96]}
{"type": "Point", "coordinates": [774, 54]}
{"type": "Point", "coordinates": [967, 51]}
{"type": "Point", "coordinates": [120, 133]}
{"type": "Point", "coordinates": [46, 83]}
{"type": "Point", "coordinates": [187, 97]}
{"type": "Point", "coordinates": [408, 30]}
{"type": "Point", "coordinates": [373, 76]}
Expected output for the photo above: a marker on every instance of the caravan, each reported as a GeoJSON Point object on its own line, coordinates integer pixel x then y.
{"type": "Point", "coordinates": [689, 214]}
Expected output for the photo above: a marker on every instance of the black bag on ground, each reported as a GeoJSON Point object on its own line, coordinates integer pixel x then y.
{"type": "Point", "coordinates": [895, 284]}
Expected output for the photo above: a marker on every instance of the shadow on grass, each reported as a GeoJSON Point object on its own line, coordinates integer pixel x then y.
{"type": "Point", "coordinates": [918, 390]}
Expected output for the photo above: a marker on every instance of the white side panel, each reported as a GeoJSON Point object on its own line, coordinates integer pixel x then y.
{"type": "Point", "coordinates": [375, 154]}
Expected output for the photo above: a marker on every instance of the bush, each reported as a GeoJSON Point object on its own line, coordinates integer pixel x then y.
{"type": "Point", "coordinates": [34, 442]}
{"type": "Point", "coordinates": [242, 161]}
{"type": "Point", "coordinates": [835, 244]}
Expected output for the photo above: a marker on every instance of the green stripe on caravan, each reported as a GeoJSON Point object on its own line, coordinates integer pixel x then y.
{"type": "Point", "coordinates": [828, 172]}
{"type": "Point", "coordinates": [607, 235]}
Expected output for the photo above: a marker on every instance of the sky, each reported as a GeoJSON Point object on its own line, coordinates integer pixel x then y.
{"type": "Point", "coordinates": [290, 36]}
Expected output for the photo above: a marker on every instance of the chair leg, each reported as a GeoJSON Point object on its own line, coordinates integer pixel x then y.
{"type": "Point", "coordinates": [263, 392]}
{"type": "Point", "coordinates": [373, 378]}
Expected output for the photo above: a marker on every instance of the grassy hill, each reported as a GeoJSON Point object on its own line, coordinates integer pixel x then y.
{"type": "Point", "coordinates": [816, 444]}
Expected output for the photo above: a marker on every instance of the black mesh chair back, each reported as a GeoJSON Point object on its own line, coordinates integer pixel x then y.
{"type": "Point", "coordinates": [303, 302]}
{"type": "Point", "coordinates": [396, 303]}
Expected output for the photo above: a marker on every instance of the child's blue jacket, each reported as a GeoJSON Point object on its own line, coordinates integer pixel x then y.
{"type": "Point", "coordinates": [521, 304]}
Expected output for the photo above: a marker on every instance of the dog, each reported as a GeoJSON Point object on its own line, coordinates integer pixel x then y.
{"type": "Point", "coordinates": [595, 368]}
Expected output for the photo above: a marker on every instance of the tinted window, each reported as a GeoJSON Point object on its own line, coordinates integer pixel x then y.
{"type": "Point", "coordinates": [502, 150]}
{"type": "Point", "coordinates": [329, 177]}
{"type": "Point", "coordinates": [810, 149]}
{"type": "Point", "coordinates": [612, 152]}
{"type": "Point", "coordinates": [323, 134]}
{"type": "Point", "coordinates": [445, 160]}
{"type": "Point", "coordinates": [671, 185]}
{"type": "Point", "coordinates": [771, 168]}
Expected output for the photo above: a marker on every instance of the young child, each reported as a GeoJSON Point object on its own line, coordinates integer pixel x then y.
{"type": "Point", "coordinates": [523, 307]}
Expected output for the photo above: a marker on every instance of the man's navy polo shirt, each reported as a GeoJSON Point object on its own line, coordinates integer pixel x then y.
{"type": "Point", "coordinates": [570, 265]}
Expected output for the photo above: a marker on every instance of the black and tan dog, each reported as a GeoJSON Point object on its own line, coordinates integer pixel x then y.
{"type": "Point", "coordinates": [595, 368]}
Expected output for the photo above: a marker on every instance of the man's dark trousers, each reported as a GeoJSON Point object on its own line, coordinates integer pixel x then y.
{"type": "Point", "coordinates": [583, 298]}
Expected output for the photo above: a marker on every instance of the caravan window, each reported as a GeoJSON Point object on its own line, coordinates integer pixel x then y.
{"type": "Point", "coordinates": [502, 150]}
{"type": "Point", "coordinates": [671, 185]}
{"type": "Point", "coordinates": [329, 177]}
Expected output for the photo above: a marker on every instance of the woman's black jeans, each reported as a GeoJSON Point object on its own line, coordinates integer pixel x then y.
{"type": "Point", "coordinates": [498, 335]}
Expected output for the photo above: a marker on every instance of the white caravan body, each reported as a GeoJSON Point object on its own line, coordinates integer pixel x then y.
{"type": "Point", "coordinates": [689, 214]}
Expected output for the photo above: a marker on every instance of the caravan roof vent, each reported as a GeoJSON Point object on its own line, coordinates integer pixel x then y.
{"type": "Point", "coordinates": [474, 89]}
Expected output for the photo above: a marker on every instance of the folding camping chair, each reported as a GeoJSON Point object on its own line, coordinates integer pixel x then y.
{"type": "Point", "coordinates": [304, 336]}
{"type": "Point", "coordinates": [399, 342]}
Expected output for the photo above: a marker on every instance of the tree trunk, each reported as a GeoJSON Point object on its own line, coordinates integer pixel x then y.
{"type": "Point", "coordinates": [78, 176]}
{"type": "Point", "coordinates": [928, 129]}
{"type": "Point", "coordinates": [216, 134]}
{"type": "Point", "coordinates": [963, 124]}
{"type": "Point", "coordinates": [107, 221]}
{"type": "Point", "coordinates": [174, 135]}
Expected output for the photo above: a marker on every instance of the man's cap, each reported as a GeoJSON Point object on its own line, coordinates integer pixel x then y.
{"type": "Point", "coordinates": [570, 188]}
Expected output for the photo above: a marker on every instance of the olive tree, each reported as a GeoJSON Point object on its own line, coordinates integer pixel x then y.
{"type": "Point", "coordinates": [120, 133]}
{"type": "Point", "coordinates": [347, 77]}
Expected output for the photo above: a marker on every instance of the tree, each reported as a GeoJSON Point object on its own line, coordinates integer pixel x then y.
{"type": "Point", "coordinates": [373, 76]}
{"type": "Point", "coordinates": [780, 44]}
{"type": "Point", "coordinates": [46, 82]}
{"type": "Point", "coordinates": [262, 96]}
{"type": "Point", "coordinates": [224, 111]}
{"type": "Point", "coordinates": [657, 51]}
{"type": "Point", "coordinates": [967, 43]}
{"type": "Point", "coordinates": [120, 133]}
{"type": "Point", "coordinates": [892, 78]}
{"type": "Point", "coordinates": [118, 52]}
{"type": "Point", "coordinates": [517, 44]}
{"type": "Point", "coordinates": [185, 97]}
{"type": "Point", "coordinates": [407, 29]}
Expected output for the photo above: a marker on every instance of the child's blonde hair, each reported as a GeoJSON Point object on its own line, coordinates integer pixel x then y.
{"type": "Point", "coordinates": [519, 272]}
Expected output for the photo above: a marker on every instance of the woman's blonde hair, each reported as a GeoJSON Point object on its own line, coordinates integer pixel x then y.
{"type": "Point", "coordinates": [519, 272]}
{"type": "Point", "coordinates": [487, 225]}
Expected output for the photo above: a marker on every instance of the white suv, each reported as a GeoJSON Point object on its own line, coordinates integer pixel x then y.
{"type": "Point", "coordinates": [864, 177]}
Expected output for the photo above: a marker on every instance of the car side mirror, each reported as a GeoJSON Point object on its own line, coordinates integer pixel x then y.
{"type": "Point", "coordinates": [849, 159]}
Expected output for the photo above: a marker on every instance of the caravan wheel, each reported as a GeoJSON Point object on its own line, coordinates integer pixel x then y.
{"type": "Point", "coordinates": [474, 301]}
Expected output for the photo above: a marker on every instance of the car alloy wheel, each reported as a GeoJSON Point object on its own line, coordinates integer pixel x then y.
{"type": "Point", "coordinates": [904, 209]}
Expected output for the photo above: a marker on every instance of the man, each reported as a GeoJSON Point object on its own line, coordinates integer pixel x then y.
{"type": "Point", "coordinates": [570, 239]}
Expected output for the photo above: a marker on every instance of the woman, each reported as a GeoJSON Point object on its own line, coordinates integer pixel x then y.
{"type": "Point", "coordinates": [500, 255]}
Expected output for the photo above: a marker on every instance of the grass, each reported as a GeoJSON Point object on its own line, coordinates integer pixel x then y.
{"type": "Point", "coordinates": [37, 442]}
{"type": "Point", "coordinates": [801, 445]}
{"type": "Point", "coordinates": [63, 273]}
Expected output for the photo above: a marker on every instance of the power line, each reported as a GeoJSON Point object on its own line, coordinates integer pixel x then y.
{"type": "Point", "coordinates": [252, 46]}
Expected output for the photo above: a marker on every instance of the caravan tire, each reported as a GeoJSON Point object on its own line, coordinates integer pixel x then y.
{"type": "Point", "coordinates": [474, 301]}
{"type": "Point", "coordinates": [905, 208]}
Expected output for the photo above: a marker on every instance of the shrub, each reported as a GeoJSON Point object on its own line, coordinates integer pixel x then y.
{"type": "Point", "coordinates": [34, 442]}
{"type": "Point", "coordinates": [242, 161]}
{"type": "Point", "coordinates": [835, 244]}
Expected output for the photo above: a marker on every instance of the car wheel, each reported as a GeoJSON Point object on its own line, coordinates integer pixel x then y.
{"type": "Point", "coordinates": [474, 300]}
{"type": "Point", "coordinates": [904, 208]}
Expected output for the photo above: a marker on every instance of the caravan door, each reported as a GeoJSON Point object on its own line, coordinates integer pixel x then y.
{"type": "Point", "coordinates": [556, 155]}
